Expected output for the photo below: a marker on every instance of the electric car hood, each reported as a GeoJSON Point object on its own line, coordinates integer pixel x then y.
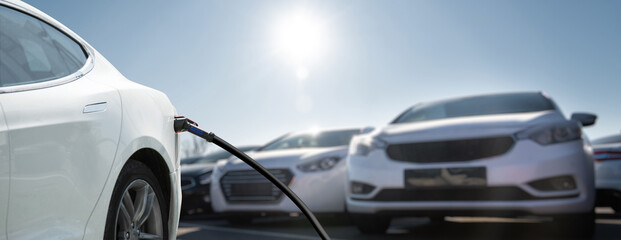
{"type": "Point", "coordinates": [196, 169]}
{"type": "Point", "coordinates": [286, 158]}
{"type": "Point", "coordinates": [467, 127]}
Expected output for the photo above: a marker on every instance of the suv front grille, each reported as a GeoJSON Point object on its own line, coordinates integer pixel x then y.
{"type": "Point", "coordinates": [450, 151]}
{"type": "Point", "coordinates": [251, 186]}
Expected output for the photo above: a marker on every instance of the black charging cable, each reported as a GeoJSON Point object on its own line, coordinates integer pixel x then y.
{"type": "Point", "coordinates": [183, 124]}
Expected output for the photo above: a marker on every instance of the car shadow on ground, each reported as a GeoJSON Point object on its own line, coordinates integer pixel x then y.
{"type": "Point", "coordinates": [607, 227]}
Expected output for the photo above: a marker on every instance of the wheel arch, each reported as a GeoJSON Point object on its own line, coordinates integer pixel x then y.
{"type": "Point", "coordinates": [157, 165]}
{"type": "Point", "coordinates": [162, 161]}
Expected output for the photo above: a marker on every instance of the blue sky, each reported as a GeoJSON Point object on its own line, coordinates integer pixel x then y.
{"type": "Point", "coordinates": [220, 62]}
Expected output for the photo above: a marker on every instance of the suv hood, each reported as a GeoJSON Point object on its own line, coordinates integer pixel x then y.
{"type": "Point", "coordinates": [287, 158]}
{"type": "Point", "coordinates": [467, 127]}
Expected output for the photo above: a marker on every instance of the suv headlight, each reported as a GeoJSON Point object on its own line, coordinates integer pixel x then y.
{"type": "Point", "coordinates": [204, 178]}
{"type": "Point", "coordinates": [363, 145]}
{"type": "Point", "coordinates": [553, 134]}
{"type": "Point", "coordinates": [322, 164]}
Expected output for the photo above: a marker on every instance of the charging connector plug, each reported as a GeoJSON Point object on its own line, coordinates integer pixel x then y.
{"type": "Point", "coordinates": [183, 124]}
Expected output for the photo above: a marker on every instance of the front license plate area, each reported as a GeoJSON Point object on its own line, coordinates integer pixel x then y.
{"type": "Point", "coordinates": [445, 177]}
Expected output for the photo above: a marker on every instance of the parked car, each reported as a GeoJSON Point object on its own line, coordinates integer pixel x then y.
{"type": "Point", "coordinates": [310, 163]}
{"type": "Point", "coordinates": [196, 180]}
{"type": "Point", "coordinates": [504, 154]}
{"type": "Point", "coordinates": [607, 154]}
{"type": "Point", "coordinates": [84, 152]}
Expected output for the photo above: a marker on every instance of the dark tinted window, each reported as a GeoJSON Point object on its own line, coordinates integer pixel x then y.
{"type": "Point", "coordinates": [32, 51]}
{"type": "Point", "coordinates": [479, 105]}
{"type": "Point", "coordinates": [313, 140]}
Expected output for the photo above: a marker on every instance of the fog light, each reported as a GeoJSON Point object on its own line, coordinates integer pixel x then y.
{"type": "Point", "coordinates": [361, 188]}
{"type": "Point", "coordinates": [554, 184]}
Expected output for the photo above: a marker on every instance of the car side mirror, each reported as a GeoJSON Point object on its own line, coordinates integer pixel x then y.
{"type": "Point", "coordinates": [586, 119]}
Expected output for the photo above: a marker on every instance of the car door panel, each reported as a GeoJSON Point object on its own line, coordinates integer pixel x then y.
{"type": "Point", "coordinates": [61, 153]}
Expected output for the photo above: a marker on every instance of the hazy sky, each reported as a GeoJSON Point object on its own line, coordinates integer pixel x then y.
{"type": "Point", "coordinates": [246, 71]}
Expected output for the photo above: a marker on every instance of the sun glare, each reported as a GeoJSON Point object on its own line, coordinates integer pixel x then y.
{"type": "Point", "coordinates": [314, 130]}
{"type": "Point", "coordinates": [300, 36]}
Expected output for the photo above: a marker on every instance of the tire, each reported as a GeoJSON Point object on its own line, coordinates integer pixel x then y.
{"type": "Point", "coordinates": [239, 220]}
{"type": "Point", "coordinates": [371, 224]}
{"type": "Point", "coordinates": [124, 221]}
{"type": "Point", "coordinates": [575, 226]}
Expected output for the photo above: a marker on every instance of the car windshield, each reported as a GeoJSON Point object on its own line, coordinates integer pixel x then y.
{"type": "Point", "coordinates": [218, 154]}
{"type": "Point", "coordinates": [214, 157]}
{"type": "Point", "coordinates": [607, 140]}
{"type": "Point", "coordinates": [479, 105]}
{"type": "Point", "coordinates": [313, 140]}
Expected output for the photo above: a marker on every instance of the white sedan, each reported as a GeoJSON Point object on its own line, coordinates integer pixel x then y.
{"type": "Point", "coordinates": [84, 152]}
{"type": "Point", "coordinates": [505, 154]}
{"type": "Point", "coordinates": [311, 163]}
{"type": "Point", "coordinates": [607, 154]}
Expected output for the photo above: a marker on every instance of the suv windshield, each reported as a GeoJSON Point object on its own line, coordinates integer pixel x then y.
{"type": "Point", "coordinates": [215, 156]}
{"type": "Point", "coordinates": [313, 140]}
{"type": "Point", "coordinates": [479, 105]}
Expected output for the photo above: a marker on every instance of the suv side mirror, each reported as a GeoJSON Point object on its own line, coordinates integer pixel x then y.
{"type": "Point", "coordinates": [586, 119]}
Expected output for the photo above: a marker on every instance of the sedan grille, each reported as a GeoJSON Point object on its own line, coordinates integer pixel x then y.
{"type": "Point", "coordinates": [450, 151]}
{"type": "Point", "coordinates": [251, 186]}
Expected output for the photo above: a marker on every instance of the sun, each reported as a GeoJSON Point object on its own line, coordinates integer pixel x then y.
{"type": "Point", "coordinates": [301, 36]}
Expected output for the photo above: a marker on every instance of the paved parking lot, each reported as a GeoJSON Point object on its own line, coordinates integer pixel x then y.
{"type": "Point", "coordinates": [195, 228]}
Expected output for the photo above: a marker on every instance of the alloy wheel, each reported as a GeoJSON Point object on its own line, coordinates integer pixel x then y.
{"type": "Point", "coordinates": [139, 214]}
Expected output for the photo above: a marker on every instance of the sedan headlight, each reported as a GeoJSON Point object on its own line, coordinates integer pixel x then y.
{"type": "Point", "coordinates": [319, 165]}
{"type": "Point", "coordinates": [553, 134]}
{"type": "Point", "coordinates": [363, 145]}
{"type": "Point", "coordinates": [204, 178]}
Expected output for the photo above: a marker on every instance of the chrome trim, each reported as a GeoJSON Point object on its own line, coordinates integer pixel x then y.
{"type": "Point", "coordinates": [88, 65]}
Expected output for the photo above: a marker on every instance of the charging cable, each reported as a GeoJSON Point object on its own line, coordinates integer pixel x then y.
{"type": "Point", "coordinates": [183, 124]}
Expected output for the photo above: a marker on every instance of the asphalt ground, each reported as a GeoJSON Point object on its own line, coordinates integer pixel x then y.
{"type": "Point", "coordinates": [608, 226]}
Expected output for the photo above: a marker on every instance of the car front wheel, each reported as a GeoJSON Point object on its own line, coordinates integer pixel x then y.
{"type": "Point", "coordinates": [137, 207]}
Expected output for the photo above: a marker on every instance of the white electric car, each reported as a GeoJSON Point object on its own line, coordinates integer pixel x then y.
{"type": "Point", "coordinates": [607, 154]}
{"type": "Point", "coordinates": [84, 152]}
{"type": "Point", "coordinates": [506, 154]}
{"type": "Point", "coordinates": [311, 163]}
